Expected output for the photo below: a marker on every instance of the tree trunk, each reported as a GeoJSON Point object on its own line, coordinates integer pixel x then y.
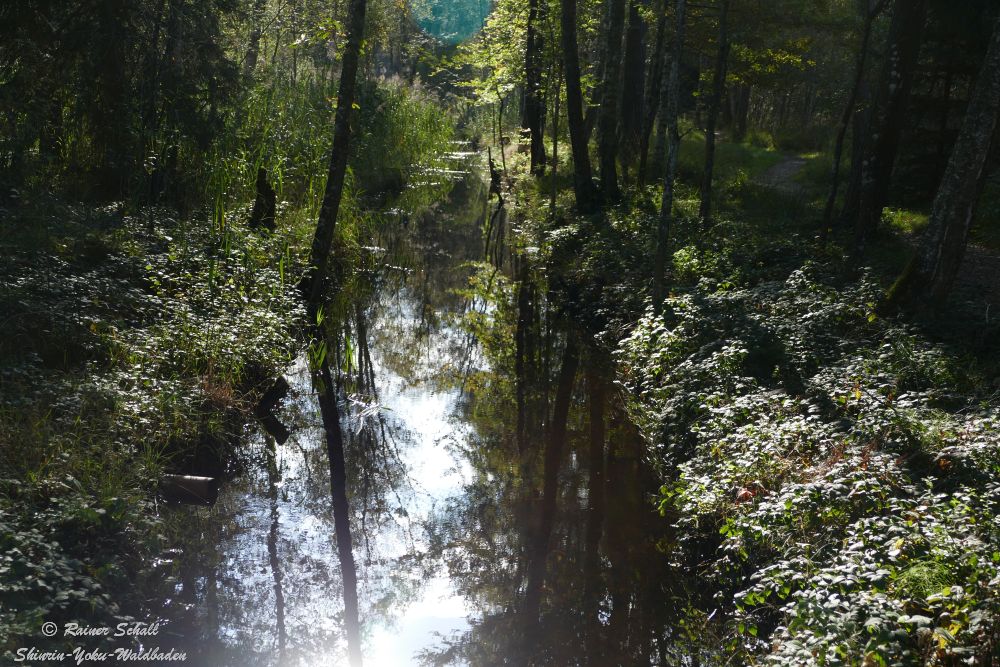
{"type": "Point", "coordinates": [849, 111]}
{"type": "Point", "coordinates": [669, 125]}
{"type": "Point", "coordinates": [633, 80]}
{"type": "Point", "coordinates": [941, 155]}
{"type": "Point", "coordinates": [595, 515]}
{"type": "Point", "coordinates": [718, 84]}
{"type": "Point", "coordinates": [256, 31]}
{"type": "Point", "coordinates": [524, 353]}
{"type": "Point", "coordinates": [905, 37]}
{"type": "Point", "coordinates": [859, 122]}
{"type": "Point", "coordinates": [623, 533]}
{"type": "Point", "coordinates": [586, 196]}
{"type": "Point", "coordinates": [111, 133]}
{"type": "Point", "coordinates": [327, 394]}
{"type": "Point", "coordinates": [533, 118]}
{"type": "Point", "coordinates": [652, 102]}
{"type": "Point", "coordinates": [319, 255]}
{"type": "Point", "coordinates": [265, 204]}
{"type": "Point", "coordinates": [741, 109]}
{"type": "Point", "coordinates": [932, 272]}
{"type": "Point", "coordinates": [273, 483]}
{"type": "Point", "coordinates": [600, 63]}
{"type": "Point", "coordinates": [607, 123]}
{"type": "Point", "coordinates": [50, 130]}
{"type": "Point", "coordinates": [555, 143]}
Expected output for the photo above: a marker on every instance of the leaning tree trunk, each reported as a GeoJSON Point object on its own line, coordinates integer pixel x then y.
{"type": "Point", "coordinates": [932, 272]}
{"type": "Point", "coordinates": [319, 255]}
{"type": "Point", "coordinates": [718, 84]}
{"type": "Point", "coordinates": [607, 123]}
{"type": "Point", "coordinates": [905, 37]}
{"type": "Point", "coordinates": [533, 118]}
{"type": "Point", "coordinates": [669, 125]}
{"type": "Point", "coordinates": [586, 195]}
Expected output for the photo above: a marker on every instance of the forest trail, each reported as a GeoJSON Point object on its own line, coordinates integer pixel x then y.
{"type": "Point", "coordinates": [781, 176]}
{"type": "Point", "coordinates": [978, 279]}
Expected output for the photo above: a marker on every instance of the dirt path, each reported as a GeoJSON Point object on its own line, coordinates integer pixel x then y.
{"type": "Point", "coordinates": [978, 280]}
{"type": "Point", "coordinates": [781, 176]}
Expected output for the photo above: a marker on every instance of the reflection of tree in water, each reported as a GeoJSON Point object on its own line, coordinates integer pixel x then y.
{"type": "Point", "coordinates": [485, 538]}
{"type": "Point", "coordinates": [252, 566]}
{"type": "Point", "coordinates": [414, 317]}
{"type": "Point", "coordinates": [259, 581]}
{"type": "Point", "coordinates": [562, 572]}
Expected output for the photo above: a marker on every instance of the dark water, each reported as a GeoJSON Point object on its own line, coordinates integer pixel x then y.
{"type": "Point", "coordinates": [444, 525]}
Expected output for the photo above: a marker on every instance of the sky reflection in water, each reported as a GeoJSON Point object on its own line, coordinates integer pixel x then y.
{"type": "Point", "coordinates": [441, 522]}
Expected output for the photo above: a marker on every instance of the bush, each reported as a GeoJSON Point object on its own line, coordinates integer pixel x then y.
{"type": "Point", "coordinates": [760, 139]}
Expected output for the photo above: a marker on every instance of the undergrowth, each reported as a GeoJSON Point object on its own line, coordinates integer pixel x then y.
{"type": "Point", "coordinates": [135, 344]}
{"type": "Point", "coordinates": [836, 475]}
{"type": "Point", "coordinates": [831, 479]}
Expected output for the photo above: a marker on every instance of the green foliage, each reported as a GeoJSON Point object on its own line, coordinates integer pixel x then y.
{"type": "Point", "coordinates": [133, 343]}
{"type": "Point", "coordinates": [286, 128]}
{"type": "Point", "coordinates": [400, 144]}
{"type": "Point", "coordinates": [816, 172]}
{"type": "Point", "coordinates": [101, 98]}
{"type": "Point", "coordinates": [837, 471]}
{"type": "Point", "coordinates": [496, 56]}
{"type": "Point", "coordinates": [63, 550]}
{"type": "Point", "coordinates": [691, 263]}
{"type": "Point", "coordinates": [771, 65]}
{"type": "Point", "coordinates": [731, 159]}
{"type": "Point", "coordinates": [905, 222]}
{"type": "Point", "coordinates": [803, 139]}
{"type": "Point", "coordinates": [761, 139]}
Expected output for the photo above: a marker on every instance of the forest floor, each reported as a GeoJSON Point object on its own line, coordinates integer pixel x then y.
{"type": "Point", "coordinates": [979, 277]}
{"type": "Point", "coordinates": [782, 176]}
{"type": "Point", "coordinates": [842, 456]}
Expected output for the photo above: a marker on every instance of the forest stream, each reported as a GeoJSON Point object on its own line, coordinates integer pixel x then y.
{"type": "Point", "coordinates": [440, 547]}
{"type": "Point", "coordinates": [536, 333]}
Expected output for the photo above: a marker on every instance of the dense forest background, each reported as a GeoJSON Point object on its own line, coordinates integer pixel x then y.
{"type": "Point", "coordinates": [735, 295]}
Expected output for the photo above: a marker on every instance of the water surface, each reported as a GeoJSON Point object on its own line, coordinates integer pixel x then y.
{"type": "Point", "coordinates": [443, 521]}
